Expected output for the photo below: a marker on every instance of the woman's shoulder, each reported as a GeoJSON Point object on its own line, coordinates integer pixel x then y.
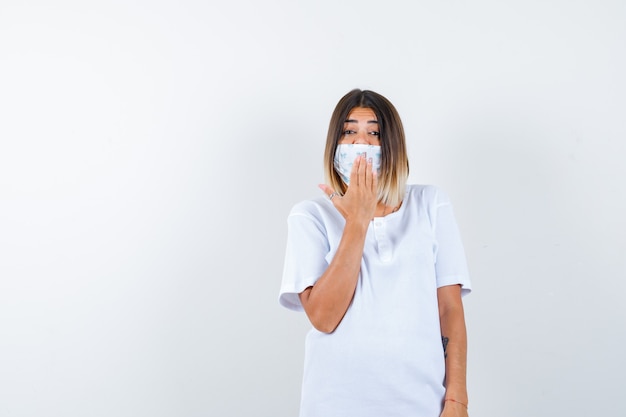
{"type": "Point", "coordinates": [426, 193]}
{"type": "Point", "coordinates": [315, 207]}
{"type": "Point", "coordinates": [316, 212]}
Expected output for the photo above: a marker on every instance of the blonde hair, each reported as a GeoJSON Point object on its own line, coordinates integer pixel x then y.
{"type": "Point", "coordinates": [394, 166]}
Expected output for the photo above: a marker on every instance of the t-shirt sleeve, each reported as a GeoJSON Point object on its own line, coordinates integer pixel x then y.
{"type": "Point", "coordinates": [305, 257]}
{"type": "Point", "coordinates": [450, 261]}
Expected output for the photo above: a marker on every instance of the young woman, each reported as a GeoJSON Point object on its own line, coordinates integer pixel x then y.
{"type": "Point", "coordinates": [379, 268]}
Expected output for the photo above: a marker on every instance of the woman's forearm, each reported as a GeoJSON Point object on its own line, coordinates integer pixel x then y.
{"type": "Point", "coordinates": [454, 337]}
{"type": "Point", "coordinates": [328, 300]}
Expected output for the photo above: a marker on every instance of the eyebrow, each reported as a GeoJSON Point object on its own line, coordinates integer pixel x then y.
{"type": "Point", "coordinates": [356, 121]}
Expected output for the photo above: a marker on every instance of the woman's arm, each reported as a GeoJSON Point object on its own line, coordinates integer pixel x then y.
{"type": "Point", "coordinates": [454, 338]}
{"type": "Point", "coordinates": [326, 302]}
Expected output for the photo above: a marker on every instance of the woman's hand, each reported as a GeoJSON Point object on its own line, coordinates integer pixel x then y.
{"type": "Point", "coordinates": [453, 409]}
{"type": "Point", "coordinates": [360, 200]}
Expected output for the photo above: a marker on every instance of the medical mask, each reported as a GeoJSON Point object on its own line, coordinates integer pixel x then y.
{"type": "Point", "coordinates": [347, 153]}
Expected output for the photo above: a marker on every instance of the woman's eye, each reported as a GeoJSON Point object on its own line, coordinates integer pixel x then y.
{"type": "Point", "coordinates": [348, 132]}
{"type": "Point", "coordinates": [375, 133]}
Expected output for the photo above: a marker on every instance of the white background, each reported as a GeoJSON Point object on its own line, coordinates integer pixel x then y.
{"type": "Point", "coordinates": [151, 150]}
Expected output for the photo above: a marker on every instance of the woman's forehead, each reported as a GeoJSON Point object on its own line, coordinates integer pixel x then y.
{"type": "Point", "coordinates": [361, 113]}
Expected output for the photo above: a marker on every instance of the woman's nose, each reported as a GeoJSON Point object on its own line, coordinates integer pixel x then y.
{"type": "Point", "coordinates": [361, 138]}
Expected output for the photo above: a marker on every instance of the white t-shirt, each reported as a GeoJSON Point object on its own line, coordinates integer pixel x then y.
{"type": "Point", "coordinates": [386, 357]}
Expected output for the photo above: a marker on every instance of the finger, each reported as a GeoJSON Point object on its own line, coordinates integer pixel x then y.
{"type": "Point", "coordinates": [329, 191]}
{"type": "Point", "coordinates": [355, 171]}
{"type": "Point", "coordinates": [375, 181]}
{"type": "Point", "coordinates": [368, 173]}
{"type": "Point", "coordinates": [362, 171]}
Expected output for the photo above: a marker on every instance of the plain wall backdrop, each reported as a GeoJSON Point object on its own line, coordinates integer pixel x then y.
{"type": "Point", "coordinates": [150, 152]}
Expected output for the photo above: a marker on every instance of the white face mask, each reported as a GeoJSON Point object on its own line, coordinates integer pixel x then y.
{"type": "Point", "coordinates": [347, 153]}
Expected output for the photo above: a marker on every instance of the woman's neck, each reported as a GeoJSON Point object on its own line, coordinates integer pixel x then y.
{"type": "Point", "coordinates": [382, 209]}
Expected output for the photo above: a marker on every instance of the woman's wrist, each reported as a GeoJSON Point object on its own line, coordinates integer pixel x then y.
{"type": "Point", "coordinates": [452, 400]}
{"type": "Point", "coordinates": [357, 224]}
